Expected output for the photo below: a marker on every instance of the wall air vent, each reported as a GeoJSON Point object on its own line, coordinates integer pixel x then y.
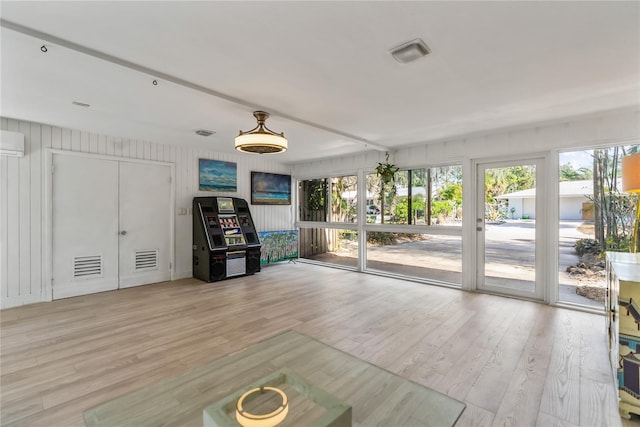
{"type": "Point", "coordinates": [147, 259]}
{"type": "Point", "coordinates": [11, 143]}
{"type": "Point", "coordinates": [85, 267]}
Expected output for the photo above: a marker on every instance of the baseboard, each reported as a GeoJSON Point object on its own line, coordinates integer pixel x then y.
{"type": "Point", "coordinates": [183, 275]}
{"type": "Point", "coordinates": [9, 302]}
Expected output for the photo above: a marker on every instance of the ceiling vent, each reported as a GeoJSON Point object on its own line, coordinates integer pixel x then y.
{"type": "Point", "coordinates": [410, 51]}
{"type": "Point", "coordinates": [204, 132]}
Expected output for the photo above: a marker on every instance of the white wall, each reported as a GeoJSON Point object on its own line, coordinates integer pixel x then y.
{"type": "Point", "coordinates": [517, 204]}
{"type": "Point", "coordinates": [612, 128]}
{"type": "Point", "coordinates": [529, 208]}
{"type": "Point", "coordinates": [571, 207]}
{"type": "Point", "coordinates": [22, 193]}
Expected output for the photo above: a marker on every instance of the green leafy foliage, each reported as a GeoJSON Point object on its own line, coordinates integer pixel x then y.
{"type": "Point", "coordinates": [401, 211]}
{"type": "Point", "coordinates": [441, 207]}
{"type": "Point", "coordinates": [386, 172]}
{"type": "Point", "coordinates": [452, 192]}
{"type": "Point", "coordinates": [567, 173]}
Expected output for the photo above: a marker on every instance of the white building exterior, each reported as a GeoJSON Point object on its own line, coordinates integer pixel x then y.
{"type": "Point", "coordinates": [573, 195]}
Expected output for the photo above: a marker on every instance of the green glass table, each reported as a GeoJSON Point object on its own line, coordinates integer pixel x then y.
{"type": "Point", "coordinates": [376, 396]}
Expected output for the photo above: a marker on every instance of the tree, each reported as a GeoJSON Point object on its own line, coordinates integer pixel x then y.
{"type": "Point", "coordinates": [568, 173]}
{"type": "Point", "coordinates": [614, 211]}
{"type": "Point", "coordinates": [500, 181]}
{"type": "Point", "coordinates": [340, 209]}
{"type": "Point", "coordinates": [452, 192]}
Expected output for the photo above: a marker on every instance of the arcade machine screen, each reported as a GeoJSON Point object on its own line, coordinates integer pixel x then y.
{"type": "Point", "coordinates": [225, 205]}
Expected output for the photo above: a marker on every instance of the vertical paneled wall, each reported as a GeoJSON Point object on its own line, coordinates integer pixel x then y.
{"type": "Point", "coordinates": [21, 202]}
{"type": "Point", "coordinates": [22, 198]}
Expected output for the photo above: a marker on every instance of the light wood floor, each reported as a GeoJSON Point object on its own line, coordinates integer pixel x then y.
{"type": "Point", "coordinates": [513, 362]}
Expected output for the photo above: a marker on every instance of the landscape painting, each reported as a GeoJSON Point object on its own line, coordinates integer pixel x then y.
{"type": "Point", "coordinates": [270, 189]}
{"type": "Point", "coordinates": [216, 175]}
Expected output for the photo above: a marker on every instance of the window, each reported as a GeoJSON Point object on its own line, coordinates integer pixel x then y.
{"type": "Point", "coordinates": [425, 256]}
{"type": "Point", "coordinates": [344, 198]}
{"type": "Point", "coordinates": [427, 196]}
{"type": "Point", "coordinates": [333, 246]}
{"type": "Point", "coordinates": [595, 215]}
{"type": "Point", "coordinates": [396, 222]}
{"type": "Point", "coordinates": [312, 197]}
{"type": "Point", "coordinates": [445, 197]}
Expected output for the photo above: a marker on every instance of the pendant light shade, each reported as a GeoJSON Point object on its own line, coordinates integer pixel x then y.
{"type": "Point", "coordinates": [631, 184]}
{"type": "Point", "coordinates": [261, 140]}
{"type": "Point", "coordinates": [631, 173]}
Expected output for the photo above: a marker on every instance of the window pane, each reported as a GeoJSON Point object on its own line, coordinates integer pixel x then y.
{"type": "Point", "coordinates": [422, 196]}
{"type": "Point", "coordinates": [510, 241]}
{"type": "Point", "coordinates": [595, 216]}
{"type": "Point", "coordinates": [396, 206]}
{"type": "Point", "coordinates": [344, 198]}
{"type": "Point", "coordinates": [373, 199]}
{"type": "Point", "coordinates": [329, 245]}
{"type": "Point", "coordinates": [419, 186]}
{"type": "Point", "coordinates": [312, 195]}
{"type": "Point", "coordinates": [425, 256]}
{"type": "Point", "coordinates": [446, 195]}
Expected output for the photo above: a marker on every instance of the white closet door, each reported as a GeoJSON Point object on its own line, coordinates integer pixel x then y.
{"type": "Point", "coordinates": [85, 225]}
{"type": "Point", "coordinates": [145, 223]}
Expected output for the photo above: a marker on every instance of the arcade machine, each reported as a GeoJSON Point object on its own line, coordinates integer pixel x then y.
{"type": "Point", "coordinates": [225, 241]}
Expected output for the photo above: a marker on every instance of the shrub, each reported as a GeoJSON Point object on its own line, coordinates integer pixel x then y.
{"type": "Point", "coordinates": [619, 244]}
{"type": "Point", "coordinates": [587, 246]}
{"type": "Point", "coordinates": [380, 238]}
{"type": "Point", "coordinates": [440, 208]}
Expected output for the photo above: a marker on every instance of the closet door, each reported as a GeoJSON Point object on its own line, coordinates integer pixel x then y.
{"type": "Point", "coordinates": [85, 225]}
{"type": "Point", "coordinates": [145, 223]}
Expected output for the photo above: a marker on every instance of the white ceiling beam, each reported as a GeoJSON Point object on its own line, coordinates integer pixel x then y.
{"type": "Point", "coordinates": [178, 81]}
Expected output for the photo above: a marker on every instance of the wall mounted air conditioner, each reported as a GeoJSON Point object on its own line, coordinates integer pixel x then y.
{"type": "Point", "coordinates": [11, 143]}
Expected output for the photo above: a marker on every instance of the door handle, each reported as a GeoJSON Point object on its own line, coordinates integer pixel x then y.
{"type": "Point", "coordinates": [478, 228]}
{"type": "Point", "coordinates": [123, 232]}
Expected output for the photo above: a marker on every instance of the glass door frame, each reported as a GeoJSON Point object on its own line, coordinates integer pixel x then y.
{"type": "Point", "coordinates": [540, 291]}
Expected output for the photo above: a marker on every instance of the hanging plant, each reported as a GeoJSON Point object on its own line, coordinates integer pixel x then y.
{"type": "Point", "coordinates": [386, 172]}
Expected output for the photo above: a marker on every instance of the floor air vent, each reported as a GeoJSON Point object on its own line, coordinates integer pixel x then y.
{"type": "Point", "coordinates": [87, 266]}
{"type": "Point", "coordinates": [146, 259]}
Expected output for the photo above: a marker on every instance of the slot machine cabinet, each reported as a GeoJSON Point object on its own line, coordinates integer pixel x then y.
{"type": "Point", "coordinates": [225, 240]}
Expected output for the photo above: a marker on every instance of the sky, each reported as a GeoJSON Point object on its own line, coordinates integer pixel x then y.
{"type": "Point", "coordinates": [577, 159]}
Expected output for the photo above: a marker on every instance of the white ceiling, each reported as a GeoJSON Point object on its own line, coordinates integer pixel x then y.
{"type": "Point", "coordinates": [322, 69]}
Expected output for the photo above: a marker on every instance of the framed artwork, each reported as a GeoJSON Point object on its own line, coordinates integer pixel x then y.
{"type": "Point", "coordinates": [270, 189]}
{"type": "Point", "coordinates": [216, 175]}
{"type": "Point", "coordinates": [278, 246]}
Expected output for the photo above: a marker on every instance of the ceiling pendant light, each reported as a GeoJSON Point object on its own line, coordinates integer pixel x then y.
{"type": "Point", "coordinates": [261, 139]}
